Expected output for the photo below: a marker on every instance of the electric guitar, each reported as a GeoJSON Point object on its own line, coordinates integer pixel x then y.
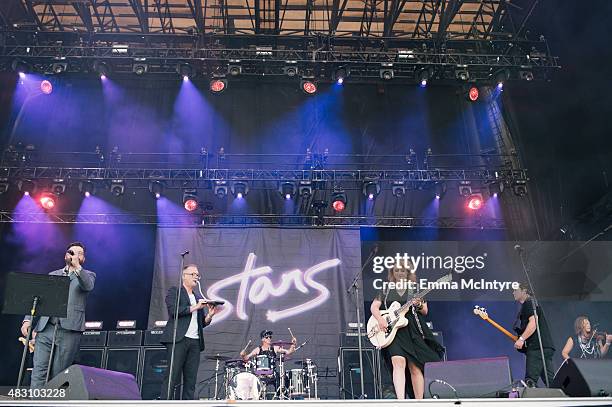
{"type": "Point", "coordinates": [396, 318]}
{"type": "Point", "coordinates": [482, 313]}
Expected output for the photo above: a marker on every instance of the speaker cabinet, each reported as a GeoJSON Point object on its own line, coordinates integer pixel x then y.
{"type": "Point", "coordinates": [469, 378]}
{"type": "Point", "coordinates": [348, 370]}
{"type": "Point", "coordinates": [92, 357]}
{"type": "Point", "coordinates": [585, 377]}
{"type": "Point", "coordinates": [90, 383]}
{"type": "Point", "coordinates": [126, 360]}
{"type": "Point", "coordinates": [154, 366]}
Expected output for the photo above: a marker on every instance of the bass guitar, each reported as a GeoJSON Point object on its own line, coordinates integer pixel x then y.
{"type": "Point", "coordinates": [482, 313]}
{"type": "Point", "coordinates": [395, 316]}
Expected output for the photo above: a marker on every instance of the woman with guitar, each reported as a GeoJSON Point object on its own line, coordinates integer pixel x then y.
{"type": "Point", "coordinates": [591, 344]}
{"type": "Point", "coordinates": [414, 344]}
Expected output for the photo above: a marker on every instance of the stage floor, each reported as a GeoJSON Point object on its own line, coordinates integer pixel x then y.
{"type": "Point", "coordinates": [548, 402]}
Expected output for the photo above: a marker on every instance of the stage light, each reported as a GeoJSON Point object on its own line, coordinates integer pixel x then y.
{"type": "Point", "coordinates": [59, 67]}
{"type": "Point", "coordinates": [102, 68]}
{"type": "Point", "coordinates": [239, 189]}
{"type": "Point", "coordinates": [465, 188]}
{"type": "Point", "coordinates": [117, 187]}
{"type": "Point", "coordinates": [87, 188]}
{"type": "Point", "coordinates": [423, 76]}
{"type": "Point", "coordinates": [439, 190]}
{"type": "Point", "coordinates": [500, 77]}
{"type": "Point", "coordinates": [218, 85]}
{"type": "Point", "coordinates": [47, 201]}
{"type": "Point", "coordinates": [371, 189]}
{"type": "Point", "coordinates": [519, 188]}
{"type": "Point", "coordinates": [398, 189]}
{"type": "Point", "coordinates": [140, 68]}
{"type": "Point", "coordinates": [234, 70]}
{"type": "Point", "coordinates": [526, 75]}
{"type": "Point", "coordinates": [185, 70]}
{"type": "Point", "coordinates": [305, 189]}
{"type": "Point", "coordinates": [473, 93]}
{"type": "Point", "coordinates": [26, 186]}
{"type": "Point", "coordinates": [156, 187]}
{"type": "Point", "coordinates": [462, 74]}
{"type": "Point", "coordinates": [4, 186]}
{"type": "Point", "coordinates": [340, 75]}
{"type": "Point", "coordinates": [290, 70]}
{"type": "Point", "coordinates": [308, 86]}
{"type": "Point", "coordinates": [21, 67]}
{"type": "Point", "coordinates": [386, 71]}
{"type": "Point", "coordinates": [475, 202]}
{"type": "Point", "coordinates": [190, 199]}
{"type": "Point", "coordinates": [22, 75]}
{"type": "Point", "coordinates": [220, 189]}
{"type": "Point", "coordinates": [338, 201]}
{"type": "Point", "coordinates": [58, 187]}
{"type": "Point", "coordinates": [46, 87]}
{"type": "Point", "coordinates": [496, 188]}
{"type": "Point", "coordinates": [287, 189]}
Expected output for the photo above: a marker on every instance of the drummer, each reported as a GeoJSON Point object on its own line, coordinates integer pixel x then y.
{"type": "Point", "coordinates": [267, 348]}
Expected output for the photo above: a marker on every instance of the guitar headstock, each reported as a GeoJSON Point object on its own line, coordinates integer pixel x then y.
{"type": "Point", "coordinates": [481, 312]}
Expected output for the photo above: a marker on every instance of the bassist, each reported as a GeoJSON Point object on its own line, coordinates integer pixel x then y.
{"type": "Point", "coordinates": [414, 344]}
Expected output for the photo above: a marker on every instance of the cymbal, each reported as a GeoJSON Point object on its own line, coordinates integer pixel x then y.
{"type": "Point", "coordinates": [282, 343]}
{"type": "Point", "coordinates": [234, 361]}
{"type": "Point", "coordinates": [218, 357]}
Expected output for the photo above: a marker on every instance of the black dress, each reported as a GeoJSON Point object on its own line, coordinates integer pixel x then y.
{"type": "Point", "coordinates": [415, 341]}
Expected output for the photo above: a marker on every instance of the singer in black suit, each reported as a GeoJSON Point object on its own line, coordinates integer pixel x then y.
{"type": "Point", "coordinates": [189, 333]}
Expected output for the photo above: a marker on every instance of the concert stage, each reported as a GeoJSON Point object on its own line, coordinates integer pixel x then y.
{"type": "Point", "coordinates": [542, 402]}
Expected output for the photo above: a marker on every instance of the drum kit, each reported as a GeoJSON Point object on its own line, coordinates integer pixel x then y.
{"type": "Point", "coordinates": [250, 380]}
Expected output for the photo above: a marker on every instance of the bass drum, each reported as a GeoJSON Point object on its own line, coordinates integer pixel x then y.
{"type": "Point", "coordinates": [245, 386]}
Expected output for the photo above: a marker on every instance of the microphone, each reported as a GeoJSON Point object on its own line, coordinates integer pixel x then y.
{"type": "Point", "coordinates": [185, 252]}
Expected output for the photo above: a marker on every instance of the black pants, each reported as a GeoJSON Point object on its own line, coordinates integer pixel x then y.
{"type": "Point", "coordinates": [533, 366]}
{"type": "Point", "coordinates": [186, 362]}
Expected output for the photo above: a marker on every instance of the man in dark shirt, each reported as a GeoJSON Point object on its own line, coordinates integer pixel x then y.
{"type": "Point", "coordinates": [526, 327]}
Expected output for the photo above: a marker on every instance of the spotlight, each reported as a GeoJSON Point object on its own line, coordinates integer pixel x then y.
{"type": "Point", "coordinates": [58, 187]}
{"type": "Point", "coordinates": [305, 189]}
{"type": "Point", "coordinates": [475, 202]}
{"type": "Point", "coordinates": [140, 68]}
{"type": "Point", "coordinates": [290, 70]}
{"type": "Point", "coordinates": [87, 188]}
{"type": "Point", "coordinates": [398, 188]}
{"type": "Point", "coordinates": [308, 86]}
{"type": "Point", "coordinates": [386, 72]}
{"type": "Point", "coordinates": [287, 190]}
{"type": "Point", "coordinates": [59, 67]}
{"type": "Point", "coordinates": [218, 85]}
{"type": "Point", "coordinates": [473, 94]}
{"type": "Point", "coordinates": [21, 67]}
{"type": "Point", "coordinates": [340, 75]}
{"type": "Point", "coordinates": [46, 87]}
{"type": "Point", "coordinates": [338, 201]}
{"type": "Point", "coordinates": [240, 189]}
{"type": "Point", "coordinates": [234, 70]}
{"type": "Point", "coordinates": [465, 188]}
{"type": "Point", "coordinates": [462, 74]}
{"type": "Point", "coordinates": [185, 70]}
{"type": "Point", "coordinates": [4, 186]}
{"type": "Point", "coordinates": [117, 188]}
{"type": "Point", "coordinates": [156, 187]}
{"type": "Point", "coordinates": [526, 75]}
{"type": "Point", "coordinates": [47, 201]}
{"type": "Point", "coordinates": [439, 190]}
{"type": "Point", "coordinates": [500, 77]}
{"type": "Point", "coordinates": [102, 68]}
{"type": "Point", "coordinates": [371, 189]}
{"type": "Point", "coordinates": [519, 188]}
{"type": "Point", "coordinates": [190, 199]}
{"type": "Point", "coordinates": [220, 189]}
{"type": "Point", "coordinates": [495, 189]}
{"type": "Point", "coordinates": [424, 75]}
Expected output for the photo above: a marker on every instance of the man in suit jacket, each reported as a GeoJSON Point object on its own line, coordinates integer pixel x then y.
{"type": "Point", "coordinates": [189, 333]}
{"type": "Point", "coordinates": [67, 330]}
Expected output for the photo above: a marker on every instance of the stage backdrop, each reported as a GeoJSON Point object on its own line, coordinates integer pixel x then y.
{"type": "Point", "coordinates": [270, 278]}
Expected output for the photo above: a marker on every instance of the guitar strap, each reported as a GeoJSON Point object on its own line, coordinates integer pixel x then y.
{"type": "Point", "coordinates": [414, 313]}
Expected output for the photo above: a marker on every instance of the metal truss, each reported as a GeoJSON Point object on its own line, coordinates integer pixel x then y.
{"type": "Point", "coordinates": [422, 19]}
{"type": "Point", "coordinates": [190, 220]}
{"type": "Point", "coordinates": [178, 177]}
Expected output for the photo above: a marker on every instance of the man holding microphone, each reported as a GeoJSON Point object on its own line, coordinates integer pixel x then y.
{"type": "Point", "coordinates": [67, 331]}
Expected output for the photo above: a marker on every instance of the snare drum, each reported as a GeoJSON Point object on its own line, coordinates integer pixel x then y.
{"type": "Point", "coordinates": [264, 365]}
{"type": "Point", "coordinates": [245, 386]}
{"type": "Point", "coordinates": [297, 383]}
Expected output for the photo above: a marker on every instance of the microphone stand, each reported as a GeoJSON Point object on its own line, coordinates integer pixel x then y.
{"type": "Point", "coordinates": [355, 288]}
{"type": "Point", "coordinates": [534, 305]}
{"type": "Point", "coordinates": [176, 311]}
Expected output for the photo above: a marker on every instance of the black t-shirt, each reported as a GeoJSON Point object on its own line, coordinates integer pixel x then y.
{"type": "Point", "coordinates": [523, 318]}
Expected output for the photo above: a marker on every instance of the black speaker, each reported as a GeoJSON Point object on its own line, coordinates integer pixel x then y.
{"type": "Point", "coordinates": [469, 378]}
{"type": "Point", "coordinates": [584, 377]}
{"type": "Point", "coordinates": [92, 357]}
{"type": "Point", "coordinates": [350, 380]}
{"type": "Point", "coordinates": [93, 339]}
{"type": "Point", "coordinates": [126, 360]}
{"type": "Point", "coordinates": [154, 366]}
{"type": "Point", "coordinates": [90, 383]}
{"type": "Point", "coordinates": [126, 339]}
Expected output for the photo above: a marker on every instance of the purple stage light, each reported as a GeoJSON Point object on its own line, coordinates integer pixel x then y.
{"type": "Point", "coordinates": [287, 196]}
{"type": "Point", "coordinates": [185, 78]}
{"type": "Point", "coordinates": [157, 195]}
{"type": "Point", "coordinates": [26, 193]}
{"type": "Point", "coordinates": [22, 75]}
{"type": "Point", "coordinates": [424, 83]}
{"type": "Point", "coordinates": [103, 77]}
{"type": "Point", "coordinates": [371, 197]}
{"type": "Point", "coordinates": [87, 194]}
{"type": "Point", "coordinates": [239, 195]}
{"type": "Point", "coordinates": [340, 81]}
{"type": "Point", "coordinates": [500, 86]}
{"type": "Point", "coordinates": [438, 196]}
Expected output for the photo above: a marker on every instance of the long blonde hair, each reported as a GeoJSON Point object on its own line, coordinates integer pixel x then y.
{"type": "Point", "coordinates": [397, 266]}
